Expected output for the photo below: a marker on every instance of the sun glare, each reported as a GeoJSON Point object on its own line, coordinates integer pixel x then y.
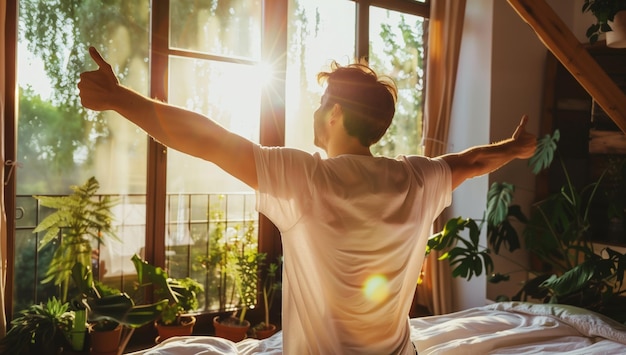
{"type": "Point", "coordinates": [265, 74]}
{"type": "Point", "coordinates": [376, 288]}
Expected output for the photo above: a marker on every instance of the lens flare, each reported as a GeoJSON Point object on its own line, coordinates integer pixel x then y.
{"type": "Point", "coordinates": [376, 288]}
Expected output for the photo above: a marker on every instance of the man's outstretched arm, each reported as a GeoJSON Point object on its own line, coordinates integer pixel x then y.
{"type": "Point", "coordinates": [177, 128]}
{"type": "Point", "coordinates": [484, 159]}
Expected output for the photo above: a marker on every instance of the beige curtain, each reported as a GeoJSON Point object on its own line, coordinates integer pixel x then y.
{"type": "Point", "coordinates": [444, 43]}
{"type": "Point", "coordinates": [3, 226]}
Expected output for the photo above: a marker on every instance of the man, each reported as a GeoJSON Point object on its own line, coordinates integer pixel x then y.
{"type": "Point", "coordinates": [354, 227]}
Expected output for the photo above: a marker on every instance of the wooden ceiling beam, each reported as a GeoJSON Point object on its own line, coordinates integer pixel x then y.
{"type": "Point", "coordinates": [560, 40]}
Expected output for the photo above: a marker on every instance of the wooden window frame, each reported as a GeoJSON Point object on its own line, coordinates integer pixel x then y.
{"type": "Point", "coordinates": [272, 120]}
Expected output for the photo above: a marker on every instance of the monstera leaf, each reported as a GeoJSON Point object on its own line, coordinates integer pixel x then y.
{"type": "Point", "coordinates": [544, 154]}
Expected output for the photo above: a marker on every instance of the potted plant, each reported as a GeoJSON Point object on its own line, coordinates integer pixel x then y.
{"type": "Point", "coordinates": [246, 259]}
{"type": "Point", "coordinates": [605, 12]}
{"type": "Point", "coordinates": [575, 272]}
{"type": "Point", "coordinates": [218, 263]}
{"type": "Point", "coordinates": [271, 284]}
{"type": "Point", "coordinates": [106, 337]}
{"type": "Point", "coordinates": [175, 320]}
{"type": "Point", "coordinates": [78, 220]}
{"type": "Point", "coordinates": [105, 333]}
{"type": "Point", "coordinates": [39, 329]}
{"type": "Point", "coordinates": [181, 297]}
{"type": "Point", "coordinates": [113, 315]}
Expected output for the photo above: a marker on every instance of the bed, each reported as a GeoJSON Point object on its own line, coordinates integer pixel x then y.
{"type": "Point", "coordinates": [499, 328]}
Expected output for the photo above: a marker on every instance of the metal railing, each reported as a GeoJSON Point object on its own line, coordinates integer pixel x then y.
{"type": "Point", "coordinates": [196, 224]}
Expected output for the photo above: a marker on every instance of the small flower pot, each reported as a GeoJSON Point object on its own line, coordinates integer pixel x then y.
{"type": "Point", "coordinates": [265, 332]}
{"type": "Point", "coordinates": [183, 329]}
{"type": "Point", "coordinates": [230, 328]}
{"type": "Point", "coordinates": [105, 342]}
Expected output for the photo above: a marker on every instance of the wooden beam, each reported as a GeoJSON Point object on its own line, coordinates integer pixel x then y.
{"type": "Point", "coordinates": [558, 38]}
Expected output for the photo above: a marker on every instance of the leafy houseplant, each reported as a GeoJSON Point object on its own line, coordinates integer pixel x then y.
{"type": "Point", "coordinates": [271, 284]}
{"type": "Point", "coordinates": [78, 220]}
{"type": "Point", "coordinates": [107, 335]}
{"type": "Point", "coordinates": [102, 324]}
{"type": "Point", "coordinates": [217, 265]}
{"type": "Point", "coordinates": [604, 11]}
{"type": "Point", "coordinates": [186, 290]}
{"type": "Point", "coordinates": [111, 311]}
{"type": "Point", "coordinates": [556, 232]}
{"type": "Point", "coordinates": [179, 295]}
{"type": "Point", "coordinates": [38, 329]}
{"type": "Point", "coordinates": [245, 259]}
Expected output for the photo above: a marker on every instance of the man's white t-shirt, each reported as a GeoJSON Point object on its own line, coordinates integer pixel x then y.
{"type": "Point", "coordinates": [354, 231]}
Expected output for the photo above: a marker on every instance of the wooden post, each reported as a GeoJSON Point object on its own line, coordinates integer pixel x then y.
{"type": "Point", "coordinates": [558, 38]}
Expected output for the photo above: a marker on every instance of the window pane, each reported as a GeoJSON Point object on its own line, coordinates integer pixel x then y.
{"type": "Point", "coordinates": [62, 144]}
{"type": "Point", "coordinates": [319, 31]}
{"type": "Point", "coordinates": [230, 95]}
{"type": "Point", "coordinates": [224, 27]}
{"type": "Point", "coordinates": [397, 49]}
{"type": "Point", "coordinates": [208, 209]}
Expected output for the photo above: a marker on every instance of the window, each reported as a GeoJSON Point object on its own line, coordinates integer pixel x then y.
{"type": "Point", "coordinates": [60, 144]}
{"type": "Point", "coordinates": [222, 58]}
{"type": "Point", "coordinates": [397, 48]}
{"type": "Point", "coordinates": [322, 31]}
{"type": "Point", "coordinates": [216, 71]}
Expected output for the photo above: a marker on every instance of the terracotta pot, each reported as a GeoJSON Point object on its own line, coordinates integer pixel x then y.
{"type": "Point", "coordinates": [616, 38]}
{"type": "Point", "coordinates": [105, 342]}
{"type": "Point", "coordinates": [265, 333]}
{"type": "Point", "coordinates": [230, 328]}
{"type": "Point", "coordinates": [183, 329]}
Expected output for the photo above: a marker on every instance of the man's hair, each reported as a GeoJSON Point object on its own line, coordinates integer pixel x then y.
{"type": "Point", "coordinates": [368, 101]}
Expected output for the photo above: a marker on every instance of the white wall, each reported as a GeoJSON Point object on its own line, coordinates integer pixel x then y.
{"type": "Point", "coordinates": [501, 75]}
{"type": "Point", "coordinates": [516, 89]}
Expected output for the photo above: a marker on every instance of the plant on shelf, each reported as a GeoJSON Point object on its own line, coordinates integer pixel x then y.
{"type": "Point", "coordinates": [180, 295]}
{"type": "Point", "coordinates": [271, 284]}
{"type": "Point", "coordinates": [107, 336]}
{"type": "Point", "coordinates": [247, 261]}
{"type": "Point", "coordinates": [101, 324]}
{"type": "Point", "coordinates": [113, 315]}
{"type": "Point", "coordinates": [186, 290]}
{"type": "Point", "coordinates": [245, 257]}
{"type": "Point", "coordinates": [39, 329]}
{"type": "Point", "coordinates": [557, 232]}
{"type": "Point", "coordinates": [78, 220]}
{"type": "Point", "coordinates": [217, 263]}
{"type": "Point", "coordinates": [604, 11]}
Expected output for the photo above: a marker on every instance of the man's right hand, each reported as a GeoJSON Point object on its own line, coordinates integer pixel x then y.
{"type": "Point", "coordinates": [526, 142]}
{"type": "Point", "coordinates": [97, 87]}
{"type": "Point", "coordinates": [480, 160]}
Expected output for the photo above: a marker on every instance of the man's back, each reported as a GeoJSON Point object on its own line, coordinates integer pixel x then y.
{"type": "Point", "coordinates": [353, 231]}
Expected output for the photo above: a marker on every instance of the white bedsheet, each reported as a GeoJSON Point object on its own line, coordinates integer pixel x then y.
{"type": "Point", "coordinates": [519, 328]}
{"type": "Point", "coordinates": [500, 328]}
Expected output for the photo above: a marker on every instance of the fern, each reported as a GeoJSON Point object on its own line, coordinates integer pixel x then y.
{"type": "Point", "coordinates": [79, 219]}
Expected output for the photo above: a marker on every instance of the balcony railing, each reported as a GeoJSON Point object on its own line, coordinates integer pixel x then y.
{"type": "Point", "coordinates": [197, 226]}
